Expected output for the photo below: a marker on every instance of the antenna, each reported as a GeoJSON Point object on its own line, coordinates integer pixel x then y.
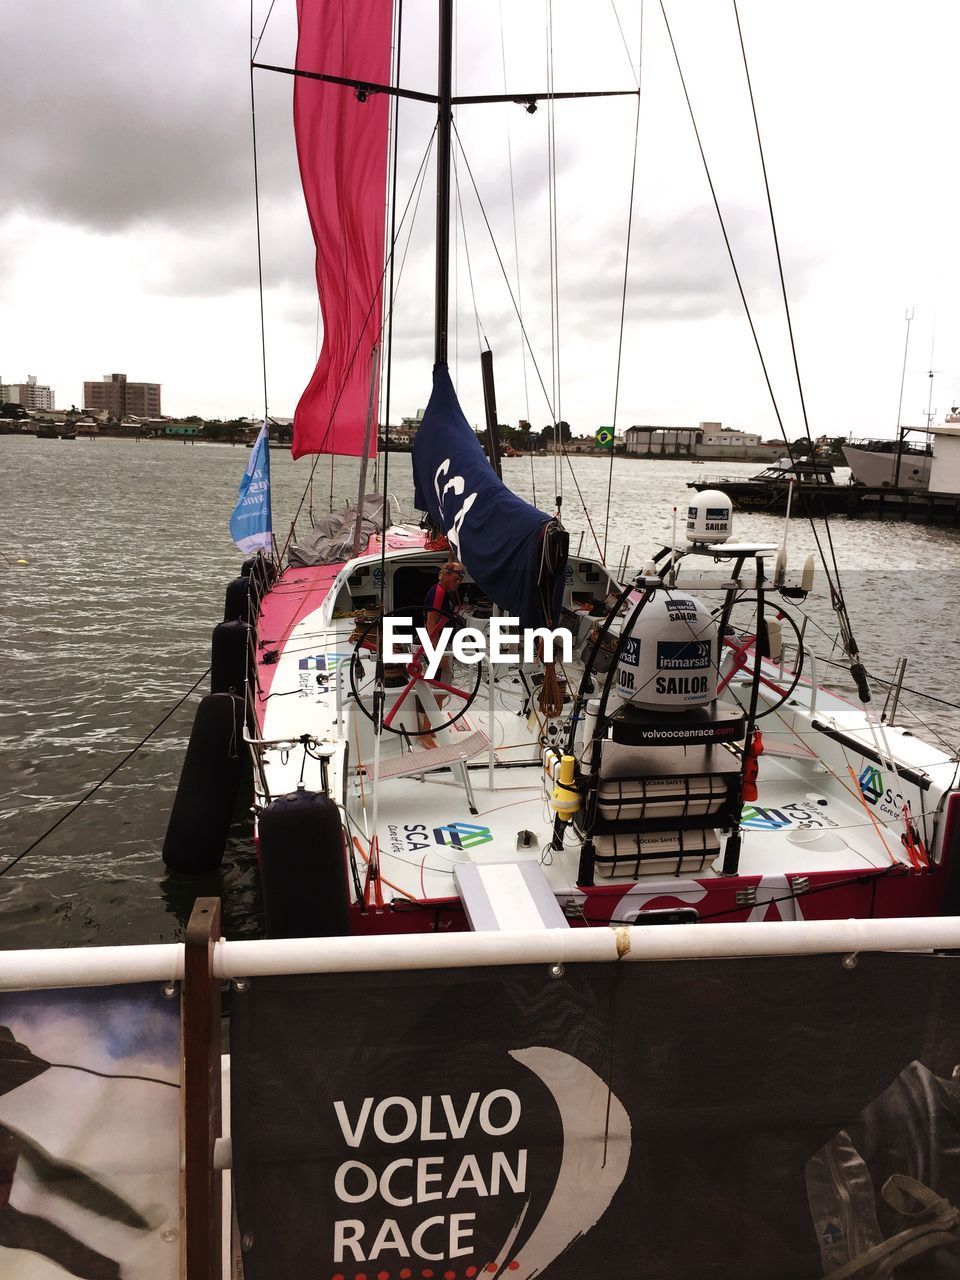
{"type": "Point", "coordinates": [906, 347]}
{"type": "Point", "coordinates": [930, 410]}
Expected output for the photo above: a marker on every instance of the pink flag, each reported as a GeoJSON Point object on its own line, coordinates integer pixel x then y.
{"type": "Point", "coordinates": [342, 149]}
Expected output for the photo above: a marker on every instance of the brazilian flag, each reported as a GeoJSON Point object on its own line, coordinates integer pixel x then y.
{"type": "Point", "coordinates": [605, 438]}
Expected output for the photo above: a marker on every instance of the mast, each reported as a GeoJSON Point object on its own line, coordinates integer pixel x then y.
{"type": "Point", "coordinates": [444, 131]}
{"type": "Point", "coordinates": [906, 347]}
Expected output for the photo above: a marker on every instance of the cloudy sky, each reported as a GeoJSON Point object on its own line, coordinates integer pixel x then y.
{"type": "Point", "coordinates": [128, 243]}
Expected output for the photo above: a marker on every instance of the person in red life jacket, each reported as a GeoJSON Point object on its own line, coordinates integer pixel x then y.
{"type": "Point", "coordinates": [442, 603]}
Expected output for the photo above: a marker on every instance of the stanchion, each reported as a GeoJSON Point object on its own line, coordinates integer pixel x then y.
{"type": "Point", "coordinates": [200, 1190]}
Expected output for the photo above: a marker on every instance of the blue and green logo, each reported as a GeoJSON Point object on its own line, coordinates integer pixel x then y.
{"type": "Point", "coordinates": [462, 835]}
{"type": "Point", "coordinates": [871, 784]}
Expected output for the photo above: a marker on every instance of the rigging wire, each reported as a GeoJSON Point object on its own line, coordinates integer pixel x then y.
{"type": "Point", "coordinates": [256, 49]}
{"type": "Point", "coordinates": [857, 669]}
{"type": "Point", "coordinates": [554, 266]}
{"type": "Point", "coordinates": [543, 386]}
{"type": "Point", "coordinates": [503, 272]}
{"type": "Point", "coordinates": [736, 273]}
{"type": "Point", "coordinates": [516, 245]}
{"type": "Point", "coordinates": [836, 594]}
{"type": "Point", "coordinates": [481, 332]}
{"type": "Point", "coordinates": [256, 197]}
{"type": "Point", "coordinates": [391, 168]}
{"type": "Point", "coordinates": [626, 48]}
{"type": "Point", "coordinates": [623, 300]}
{"type": "Point", "coordinates": [783, 294]}
{"type": "Point", "coordinates": [392, 295]}
{"type": "Point", "coordinates": [106, 778]}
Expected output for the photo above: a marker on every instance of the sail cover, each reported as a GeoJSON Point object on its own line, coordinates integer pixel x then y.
{"type": "Point", "coordinates": [504, 542]}
{"type": "Point", "coordinates": [342, 150]}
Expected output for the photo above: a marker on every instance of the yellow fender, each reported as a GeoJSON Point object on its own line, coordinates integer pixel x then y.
{"type": "Point", "coordinates": [565, 800]}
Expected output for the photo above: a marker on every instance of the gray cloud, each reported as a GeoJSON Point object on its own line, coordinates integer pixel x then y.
{"type": "Point", "coordinates": [119, 114]}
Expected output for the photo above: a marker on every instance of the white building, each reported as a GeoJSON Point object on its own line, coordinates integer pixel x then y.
{"type": "Point", "coordinates": [29, 394]}
{"type": "Point", "coordinates": [714, 436]}
{"type": "Point", "coordinates": [406, 433]}
{"type": "Point", "coordinates": [654, 441]}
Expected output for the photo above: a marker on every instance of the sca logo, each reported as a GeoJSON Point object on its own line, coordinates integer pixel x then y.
{"type": "Point", "coordinates": [871, 784]}
{"type": "Point", "coordinates": [462, 835]}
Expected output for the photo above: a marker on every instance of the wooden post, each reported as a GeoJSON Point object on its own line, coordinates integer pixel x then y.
{"type": "Point", "coordinates": [200, 1188]}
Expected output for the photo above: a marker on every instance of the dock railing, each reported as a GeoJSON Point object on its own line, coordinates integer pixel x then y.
{"type": "Point", "coordinates": [398, 1099]}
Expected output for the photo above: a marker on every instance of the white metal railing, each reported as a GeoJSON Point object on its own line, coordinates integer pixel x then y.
{"type": "Point", "coordinates": [91, 966]}
{"type": "Point", "coordinates": [99, 966]}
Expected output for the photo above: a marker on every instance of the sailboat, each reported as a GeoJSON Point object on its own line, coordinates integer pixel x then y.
{"type": "Point", "coordinates": [525, 1079]}
{"type": "Point", "coordinates": [680, 762]}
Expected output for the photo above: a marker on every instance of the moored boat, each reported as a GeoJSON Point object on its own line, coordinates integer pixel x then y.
{"type": "Point", "coordinates": [521, 1080]}
{"type": "Point", "coordinates": [811, 482]}
{"type": "Point", "coordinates": [394, 790]}
{"type": "Point", "coordinates": [881, 464]}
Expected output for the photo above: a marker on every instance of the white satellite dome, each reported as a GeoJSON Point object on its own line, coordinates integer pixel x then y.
{"type": "Point", "coordinates": [669, 659]}
{"type": "Point", "coordinates": [709, 517]}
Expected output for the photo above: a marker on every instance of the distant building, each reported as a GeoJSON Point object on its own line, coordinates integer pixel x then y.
{"type": "Point", "coordinates": [406, 433]}
{"type": "Point", "coordinates": [708, 440]}
{"type": "Point", "coordinates": [665, 441]}
{"type": "Point", "coordinates": [583, 444]}
{"type": "Point", "coordinates": [120, 398]}
{"type": "Point", "coordinates": [29, 394]}
{"type": "Point", "coordinates": [714, 436]}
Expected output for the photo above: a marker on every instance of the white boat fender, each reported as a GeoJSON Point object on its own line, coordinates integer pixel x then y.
{"type": "Point", "coordinates": [213, 769]}
{"type": "Point", "coordinates": [303, 867]}
{"type": "Point", "coordinates": [229, 647]}
{"type": "Point", "coordinates": [774, 640]}
{"type": "Point", "coordinates": [780, 567]}
{"type": "Point", "coordinates": [806, 577]}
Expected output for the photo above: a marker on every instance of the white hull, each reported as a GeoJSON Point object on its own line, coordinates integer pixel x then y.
{"type": "Point", "coordinates": [878, 470]}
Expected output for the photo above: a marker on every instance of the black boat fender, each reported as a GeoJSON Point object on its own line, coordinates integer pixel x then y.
{"type": "Point", "coordinates": [213, 768]}
{"type": "Point", "coordinates": [260, 567]}
{"type": "Point", "coordinates": [241, 601]}
{"type": "Point", "coordinates": [303, 867]}
{"type": "Point", "coordinates": [229, 649]}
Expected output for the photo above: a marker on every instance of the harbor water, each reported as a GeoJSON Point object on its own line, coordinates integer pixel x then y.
{"type": "Point", "coordinates": [115, 556]}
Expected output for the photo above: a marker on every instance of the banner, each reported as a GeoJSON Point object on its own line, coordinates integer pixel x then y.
{"type": "Point", "coordinates": [733, 1118]}
{"type": "Point", "coordinates": [604, 437]}
{"type": "Point", "coordinates": [342, 149]}
{"type": "Point", "coordinates": [251, 525]}
{"type": "Point", "coordinates": [497, 535]}
{"type": "Point", "coordinates": [89, 1134]}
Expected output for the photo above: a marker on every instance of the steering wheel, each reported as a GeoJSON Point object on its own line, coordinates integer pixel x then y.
{"type": "Point", "coordinates": [737, 653]}
{"type": "Point", "coordinates": [439, 701]}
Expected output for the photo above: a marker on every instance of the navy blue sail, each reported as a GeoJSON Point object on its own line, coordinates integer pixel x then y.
{"type": "Point", "coordinates": [515, 553]}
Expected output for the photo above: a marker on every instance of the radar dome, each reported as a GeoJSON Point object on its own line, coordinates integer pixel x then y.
{"type": "Point", "coordinates": [709, 517]}
{"type": "Point", "coordinates": [669, 659]}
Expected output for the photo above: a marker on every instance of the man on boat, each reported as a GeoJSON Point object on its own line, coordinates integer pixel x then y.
{"type": "Point", "coordinates": [442, 604]}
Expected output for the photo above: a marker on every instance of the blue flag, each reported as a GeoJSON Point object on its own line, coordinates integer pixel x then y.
{"type": "Point", "coordinates": [251, 525]}
{"type": "Point", "coordinates": [499, 537]}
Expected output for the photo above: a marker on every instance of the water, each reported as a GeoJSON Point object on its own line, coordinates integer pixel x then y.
{"type": "Point", "coordinates": [108, 625]}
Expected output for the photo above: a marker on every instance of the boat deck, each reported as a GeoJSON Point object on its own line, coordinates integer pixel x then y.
{"type": "Point", "coordinates": [822, 810]}
{"type": "Point", "coordinates": [798, 826]}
